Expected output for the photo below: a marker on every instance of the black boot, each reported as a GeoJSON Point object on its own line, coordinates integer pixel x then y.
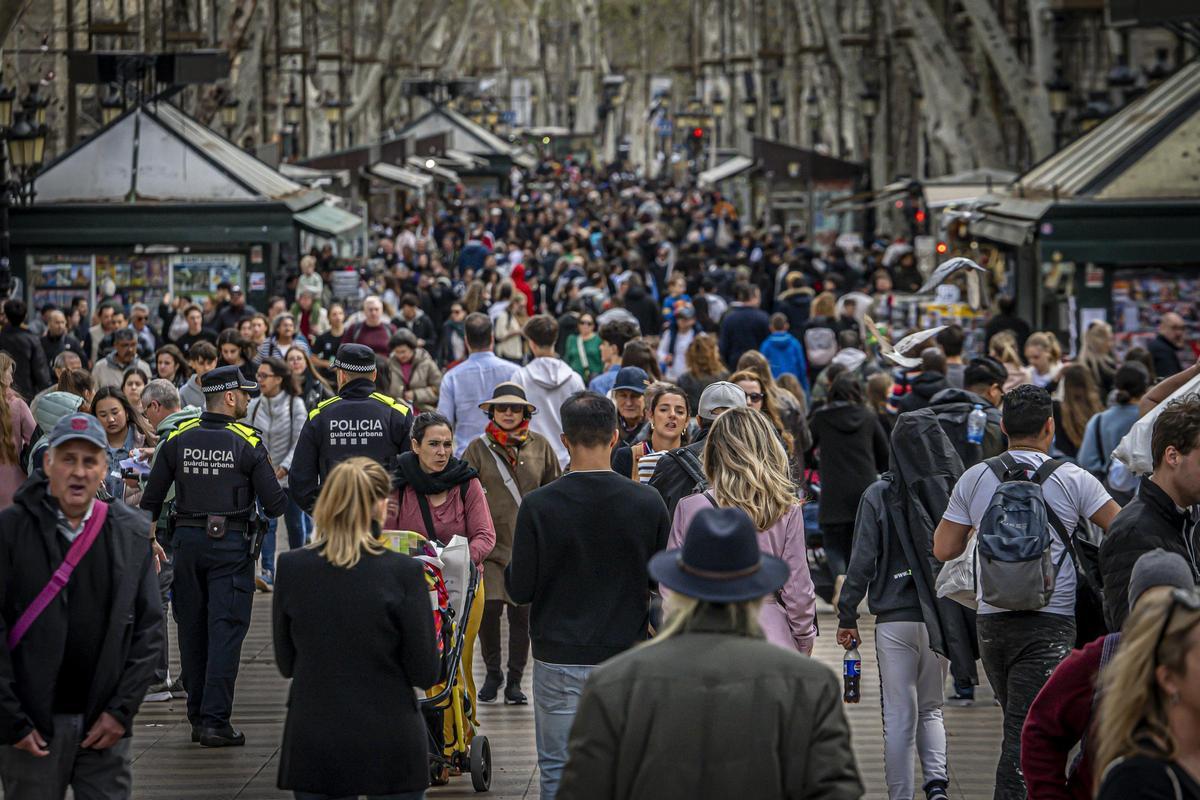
{"type": "Point", "coordinates": [513, 696]}
{"type": "Point", "coordinates": [491, 687]}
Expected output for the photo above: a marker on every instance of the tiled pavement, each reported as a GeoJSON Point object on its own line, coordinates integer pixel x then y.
{"type": "Point", "coordinates": [169, 767]}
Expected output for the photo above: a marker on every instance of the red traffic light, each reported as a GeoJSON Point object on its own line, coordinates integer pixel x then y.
{"type": "Point", "coordinates": [919, 215]}
{"type": "Point", "coordinates": [899, 204]}
{"type": "Point", "coordinates": [698, 133]}
{"type": "Point", "coordinates": [942, 248]}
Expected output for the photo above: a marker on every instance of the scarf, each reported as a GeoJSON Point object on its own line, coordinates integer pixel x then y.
{"type": "Point", "coordinates": [409, 473]}
{"type": "Point", "coordinates": [510, 442]}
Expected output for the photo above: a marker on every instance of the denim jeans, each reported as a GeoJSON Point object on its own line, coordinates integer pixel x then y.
{"type": "Point", "coordinates": [299, 527]}
{"type": "Point", "coordinates": [406, 796]}
{"type": "Point", "coordinates": [92, 774]}
{"type": "Point", "coordinates": [556, 691]}
{"type": "Point", "coordinates": [1019, 650]}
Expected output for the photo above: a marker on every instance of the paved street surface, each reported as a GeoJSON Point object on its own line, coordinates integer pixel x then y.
{"type": "Point", "coordinates": [169, 767]}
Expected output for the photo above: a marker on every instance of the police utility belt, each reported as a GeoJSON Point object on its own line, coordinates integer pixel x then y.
{"type": "Point", "coordinates": [217, 526]}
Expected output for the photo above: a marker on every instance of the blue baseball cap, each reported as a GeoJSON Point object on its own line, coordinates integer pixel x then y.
{"type": "Point", "coordinates": [633, 379]}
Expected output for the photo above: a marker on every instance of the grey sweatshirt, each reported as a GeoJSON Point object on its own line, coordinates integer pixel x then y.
{"type": "Point", "coordinates": [878, 567]}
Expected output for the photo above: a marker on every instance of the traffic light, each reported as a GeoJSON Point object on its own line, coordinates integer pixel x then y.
{"type": "Point", "coordinates": [696, 143]}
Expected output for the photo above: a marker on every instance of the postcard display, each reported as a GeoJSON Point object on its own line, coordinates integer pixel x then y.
{"type": "Point", "coordinates": [58, 279]}
{"type": "Point", "coordinates": [1141, 297]}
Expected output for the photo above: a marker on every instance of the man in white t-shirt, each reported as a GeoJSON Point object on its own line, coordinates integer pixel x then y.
{"type": "Point", "coordinates": [1020, 649]}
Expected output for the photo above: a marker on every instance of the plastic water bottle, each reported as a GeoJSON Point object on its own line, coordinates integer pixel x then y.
{"type": "Point", "coordinates": [851, 672]}
{"type": "Point", "coordinates": [976, 424]}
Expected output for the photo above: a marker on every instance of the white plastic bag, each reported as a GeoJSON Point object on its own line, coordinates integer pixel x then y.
{"type": "Point", "coordinates": [957, 578]}
{"type": "Point", "coordinates": [456, 558]}
{"type": "Point", "coordinates": [1134, 449]}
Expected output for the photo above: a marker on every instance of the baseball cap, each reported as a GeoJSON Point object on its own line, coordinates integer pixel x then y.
{"type": "Point", "coordinates": [721, 394]}
{"type": "Point", "coordinates": [235, 288]}
{"type": "Point", "coordinates": [226, 379]}
{"type": "Point", "coordinates": [633, 379]}
{"type": "Point", "coordinates": [78, 426]}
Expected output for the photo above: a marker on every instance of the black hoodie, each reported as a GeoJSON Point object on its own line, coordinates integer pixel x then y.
{"type": "Point", "coordinates": [853, 451]}
{"type": "Point", "coordinates": [922, 389]}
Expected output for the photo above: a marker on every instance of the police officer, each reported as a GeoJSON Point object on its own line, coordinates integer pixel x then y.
{"type": "Point", "coordinates": [358, 421]}
{"type": "Point", "coordinates": [220, 469]}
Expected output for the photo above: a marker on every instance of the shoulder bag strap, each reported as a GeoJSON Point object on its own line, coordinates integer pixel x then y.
{"type": "Point", "coordinates": [712, 500]}
{"type": "Point", "coordinates": [506, 476]}
{"type": "Point", "coordinates": [1105, 458]}
{"type": "Point", "coordinates": [582, 350]}
{"type": "Point", "coordinates": [426, 515]}
{"type": "Point", "coordinates": [58, 581]}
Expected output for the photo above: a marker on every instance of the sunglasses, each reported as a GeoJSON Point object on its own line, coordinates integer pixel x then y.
{"type": "Point", "coordinates": [755, 397]}
{"type": "Point", "coordinates": [508, 408]}
{"type": "Point", "coordinates": [1186, 598]}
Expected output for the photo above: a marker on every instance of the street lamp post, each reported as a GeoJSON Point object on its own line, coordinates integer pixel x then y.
{"type": "Point", "coordinates": [777, 109]}
{"type": "Point", "coordinates": [229, 115]}
{"type": "Point", "coordinates": [1059, 90]}
{"type": "Point", "coordinates": [718, 109]}
{"type": "Point", "coordinates": [869, 103]}
{"type": "Point", "coordinates": [813, 109]}
{"type": "Point", "coordinates": [293, 109]}
{"type": "Point", "coordinates": [333, 115]}
{"type": "Point", "coordinates": [750, 111]}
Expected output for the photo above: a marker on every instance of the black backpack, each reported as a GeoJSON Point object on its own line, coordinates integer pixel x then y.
{"type": "Point", "coordinates": [676, 484]}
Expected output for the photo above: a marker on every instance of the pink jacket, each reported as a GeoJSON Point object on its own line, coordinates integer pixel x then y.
{"type": "Point", "coordinates": [451, 518]}
{"type": "Point", "coordinates": [792, 624]}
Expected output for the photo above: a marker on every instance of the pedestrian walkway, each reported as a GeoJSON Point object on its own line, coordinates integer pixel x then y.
{"type": "Point", "coordinates": [168, 766]}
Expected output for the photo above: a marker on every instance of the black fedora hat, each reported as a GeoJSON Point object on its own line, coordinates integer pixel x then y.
{"type": "Point", "coordinates": [720, 560]}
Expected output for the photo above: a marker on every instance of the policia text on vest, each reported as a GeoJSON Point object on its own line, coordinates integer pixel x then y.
{"type": "Point", "coordinates": [359, 421]}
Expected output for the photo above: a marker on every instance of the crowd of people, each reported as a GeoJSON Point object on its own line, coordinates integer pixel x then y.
{"type": "Point", "coordinates": [625, 400]}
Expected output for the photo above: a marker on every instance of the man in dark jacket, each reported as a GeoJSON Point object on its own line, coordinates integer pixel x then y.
{"type": "Point", "coordinates": [983, 380]}
{"type": "Point", "coordinates": [69, 688]}
{"type": "Point", "coordinates": [31, 371]}
{"type": "Point", "coordinates": [1154, 517]}
{"type": "Point", "coordinates": [744, 326]}
{"type": "Point", "coordinates": [679, 473]}
{"type": "Point", "coordinates": [58, 339]}
{"type": "Point", "coordinates": [412, 318]}
{"type": "Point", "coordinates": [930, 381]}
{"type": "Point", "coordinates": [1165, 346]}
{"type": "Point", "coordinates": [795, 303]}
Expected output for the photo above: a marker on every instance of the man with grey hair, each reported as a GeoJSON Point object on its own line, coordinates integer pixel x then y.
{"type": "Point", "coordinates": [373, 330]}
{"type": "Point", "coordinates": [161, 406]}
{"type": "Point", "coordinates": [139, 321]}
{"type": "Point", "coordinates": [110, 370]}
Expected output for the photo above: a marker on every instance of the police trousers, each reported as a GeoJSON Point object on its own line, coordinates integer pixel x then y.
{"type": "Point", "coordinates": [213, 593]}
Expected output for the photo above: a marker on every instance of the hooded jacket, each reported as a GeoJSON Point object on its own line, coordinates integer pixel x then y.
{"type": "Point", "coordinates": [280, 419]}
{"type": "Point", "coordinates": [421, 326]}
{"type": "Point", "coordinates": [853, 451]}
{"type": "Point", "coordinates": [53, 407]}
{"type": "Point", "coordinates": [786, 357]}
{"type": "Point", "coordinates": [548, 382]}
{"type": "Point", "coordinates": [952, 407]}
{"type": "Point", "coordinates": [124, 667]}
{"type": "Point", "coordinates": [922, 390]}
{"type": "Point", "coordinates": [796, 305]}
{"type": "Point", "coordinates": [649, 316]}
{"type": "Point", "coordinates": [895, 530]}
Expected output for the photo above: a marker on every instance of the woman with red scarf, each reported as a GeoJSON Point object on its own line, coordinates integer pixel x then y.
{"type": "Point", "coordinates": [511, 461]}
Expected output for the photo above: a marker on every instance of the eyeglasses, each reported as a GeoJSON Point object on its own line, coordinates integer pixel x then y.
{"type": "Point", "coordinates": [755, 397]}
{"type": "Point", "coordinates": [1189, 599]}
{"type": "Point", "coordinates": [262, 376]}
{"type": "Point", "coordinates": [508, 408]}
{"type": "Point", "coordinates": [588, 322]}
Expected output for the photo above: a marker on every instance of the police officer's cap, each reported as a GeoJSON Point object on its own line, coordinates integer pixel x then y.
{"type": "Point", "coordinates": [355, 358]}
{"type": "Point", "coordinates": [227, 379]}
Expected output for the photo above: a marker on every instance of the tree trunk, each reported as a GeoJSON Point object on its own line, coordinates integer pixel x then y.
{"type": "Point", "coordinates": [1026, 94]}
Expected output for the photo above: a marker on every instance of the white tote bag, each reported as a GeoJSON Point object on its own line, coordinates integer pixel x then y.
{"type": "Point", "coordinates": [1134, 449]}
{"type": "Point", "coordinates": [957, 578]}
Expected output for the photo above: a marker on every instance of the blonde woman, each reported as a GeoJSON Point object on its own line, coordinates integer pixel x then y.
{"type": "Point", "coordinates": [1145, 743]}
{"type": "Point", "coordinates": [352, 627]}
{"type": "Point", "coordinates": [710, 663]}
{"type": "Point", "coordinates": [1003, 348]}
{"type": "Point", "coordinates": [747, 468]}
{"type": "Point", "coordinates": [1044, 355]}
{"type": "Point", "coordinates": [1096, 354]}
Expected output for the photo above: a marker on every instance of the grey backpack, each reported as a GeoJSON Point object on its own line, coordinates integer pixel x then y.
{"type": "Point", "coordinates": [1015, 569]}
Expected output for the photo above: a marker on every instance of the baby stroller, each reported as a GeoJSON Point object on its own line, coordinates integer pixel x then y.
{"type": "Point", "coordinates": [454, 748]}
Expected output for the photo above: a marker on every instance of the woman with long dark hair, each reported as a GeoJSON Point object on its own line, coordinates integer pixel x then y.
{"type": "Point", "coordinates": [133, 381]}
{"type": "Point", "coordinates": [312, 386]}
{"type": "Point", "coordinates": [170, 365]}
{"type": "Point", "coordinates": [236, 351]}
{"type": "Point", "coordinates": [441, 497]}
{"type": "Point", "coordinates": [346, 600]}
{"type": "Point", "coordinates": [279, 413]}
{"type": "Point", "coordinates": [851, 452]}
{"type": "Point", "coordinates": [126, 430]}
{"type": "Point", "coordinates": [1080, 402]}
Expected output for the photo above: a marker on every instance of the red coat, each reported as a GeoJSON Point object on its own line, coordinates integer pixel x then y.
{"type": "Point", "coordinates": [1057, 719]}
